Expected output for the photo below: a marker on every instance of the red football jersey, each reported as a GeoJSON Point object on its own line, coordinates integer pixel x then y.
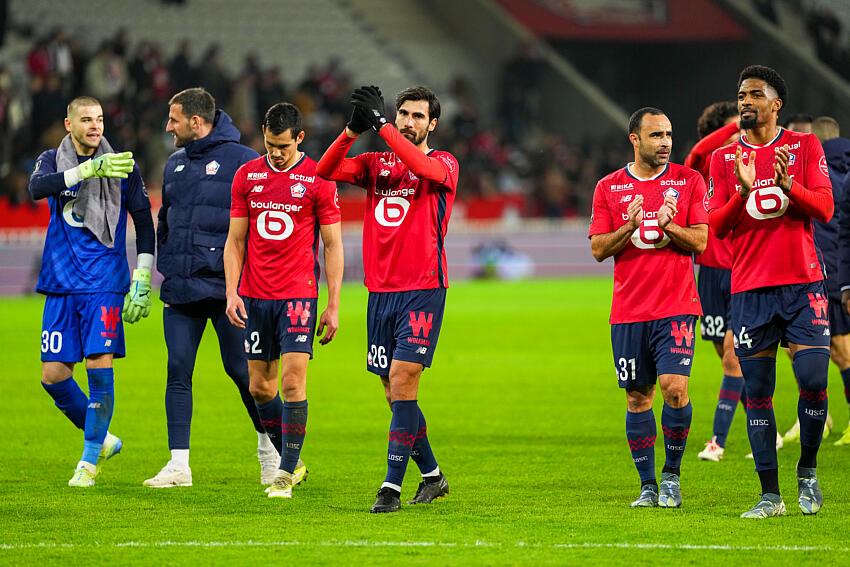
{"type": "Point", "coordinates": [285, 209]}
{"type": "Point", "coordinates": [771, 234]}
{"type": "Point", "coordinates": [653, 278]}
{"type": "Point", "coordinates": [718, 252]}
{"type": "Point", "coordinates": [405, 224]}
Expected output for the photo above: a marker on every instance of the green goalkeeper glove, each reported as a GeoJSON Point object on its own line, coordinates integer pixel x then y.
{"type": "Point", "coordinates": [108, 165]}
{"type": "Point", "coordinates": [137, 303]}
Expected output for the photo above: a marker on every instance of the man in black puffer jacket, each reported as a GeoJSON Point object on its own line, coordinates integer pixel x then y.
{"type": "Point", "coordinates": [191, 233]}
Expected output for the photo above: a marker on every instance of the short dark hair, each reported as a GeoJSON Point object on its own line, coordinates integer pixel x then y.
{"type": "Point", "coordinates": [637, 117]}
{"type": "Point", "coordinates": [420, 93]}
{"type": "Point", "coordinates": [715, 116]}
{"type": "Point", "coordinates": [196, 102]}
{"type": "Point", "coordinates": [800, 118]}
{"type": "Point", "coordinates": [767, 75]}
{"type": "Point", "coordinates": [281, 117]}
{"type": "Point", "coordinates": [82, 101]}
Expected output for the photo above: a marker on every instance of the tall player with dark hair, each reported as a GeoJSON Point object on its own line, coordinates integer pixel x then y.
{"type": "Point", "coordinates": [410, 191]}
{"type": "Point", "coordinates": [650, 216]}
{"type": "Point", "coordinates": [764, 191]}
{"type": "Point", "coordinates": [279, 209]}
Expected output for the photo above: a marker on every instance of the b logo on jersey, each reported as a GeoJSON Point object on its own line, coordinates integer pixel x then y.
{"type": "Point", "coordinates": [275, 225]}
{"type": "Point", "coordinates": [767, 203]}
{"type": "Point", "coordinates": [69, 216]}
{"type": "Point", "coordinates": [391, 211]}
{"type": "Point", "coordinates": [649, 236]}
{"type": "Point", "coordinates": [297, 190]}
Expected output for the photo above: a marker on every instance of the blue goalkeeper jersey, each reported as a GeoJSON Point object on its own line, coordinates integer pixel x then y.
{"type": "Point", "coordinates": [74, 260]}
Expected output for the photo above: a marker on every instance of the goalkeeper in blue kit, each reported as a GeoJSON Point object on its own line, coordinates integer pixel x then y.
{"type": "Point", "coordinates": [85, 276]}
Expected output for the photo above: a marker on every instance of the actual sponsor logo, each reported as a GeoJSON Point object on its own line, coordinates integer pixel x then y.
{"type": "Point", "coordinates": [297, 190]}
{"type": "Point", "coordinates": [212, 167]}
{"type": "Point", "coordinates": [255, 175]}
{"type": "Point", "coordinates": [666, 182]}
{"type": "Point", "coordinates": [391, 211]}
{"type": "Point", "coordinates": [179, 168]}
{"type": "Point", "coordinates": [304, 178]}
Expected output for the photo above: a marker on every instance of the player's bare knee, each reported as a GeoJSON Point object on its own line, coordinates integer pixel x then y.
{"type": "Point", "coordinates": [294, 388]}
{"type": "Point", "coordinates": [730, 363]}
{"type": "Point", "coordinates": [262, 390]}
{"type": "Point", "coordinates": [99, 361]}
{"type": "Point", "coordinates": [639, 400]}
{"type": "Point", "coordinates": [55, 372]}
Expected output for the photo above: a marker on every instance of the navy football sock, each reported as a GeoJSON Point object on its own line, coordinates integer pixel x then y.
{"type": "Point", "coordinates": [760, 380]}
{"type": "Point", "coordinates": [811, 367]}
{"type": "Point", "coordinates": [403, 430]}
{"type": "Point", "coordinates": [271, 414]}
{"type": "Point", "coordinates": [294, 431]}
{"type": "Point", "coordinates": [675, 423]}
{"type": "Point", "coordinates": [640, 432]}
{"type": "Point", "coordinates": [98, 412]}
{"type": "Point", "coordinates": [845, 377]}
{"type": "Point", "coordinates": [769, 480]}
{"type": "Point", "coordinates": [730, 393]}
{"type": "Point", "coordinates": [69, 399]}
{"type": "Point", "coordinates": [421, 453]}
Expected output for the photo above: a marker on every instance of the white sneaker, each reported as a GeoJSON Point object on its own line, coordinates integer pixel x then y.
{"type": "Point", "coordinates": [83, 475]}
{"type": "Point", "coordinates": [171, 475]}
{"type": "Point", "coordinates": [282, 486]}
{"type": "Point", "coordinates": [792, 434]}
{"type": "Point", "coordinates": [269, 465]}
{"type": "Point", "coordinates": [299, 475]}
{"type": "Point", "coordinates": [712, 451]}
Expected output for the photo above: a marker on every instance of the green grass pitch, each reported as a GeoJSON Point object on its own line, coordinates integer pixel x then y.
{"type": "Point", "coordinates": [524, 415]}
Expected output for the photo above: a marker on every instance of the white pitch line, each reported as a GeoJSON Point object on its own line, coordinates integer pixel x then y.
{"type": "Point", "coordinates": [588, 545]}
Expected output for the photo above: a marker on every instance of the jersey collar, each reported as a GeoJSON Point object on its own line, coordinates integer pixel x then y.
{"type": "Point", "coordinates": [294, 165]}
{"type": "Point", "coordinates": [745, 143]}
{"type": "Point", "coordinates": [656, 176]}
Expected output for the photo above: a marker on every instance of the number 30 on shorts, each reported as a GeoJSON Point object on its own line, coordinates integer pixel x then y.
{"type": "Point", "coordinates": [51, 341]}
{"type": "Point", "coordinates": [377, 356]}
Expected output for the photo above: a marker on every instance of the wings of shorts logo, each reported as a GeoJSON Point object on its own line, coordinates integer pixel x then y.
{"type": "Point", "coordinates": [212, 167]}
{"type": "Point", "coordinates": [297, 191]}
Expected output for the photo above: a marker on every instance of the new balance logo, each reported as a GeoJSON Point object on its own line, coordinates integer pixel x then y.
{"type": "Point", "coordinates": [422, 350]}
{"type": "Point", "coordinates": [301, 311]}
{"type": "Point", "coordinates": [685, 362]}
{"type": "Point", "coordinates": [422, 322]}
{"type": "Point", "coordinates": [257, 189]}
{"type": "Point", "coordinates": [683, 332]}
{"type": "Point", "coordinates": [95, 405]}
{"type": "Point", "coordinates": [301, 339]}
{"type": "Point", "coordinates": [110, 317]}
{"type": "Point", "coordinates": [819, 304]}
{"type": "Point", "coordinates": [626, 198]}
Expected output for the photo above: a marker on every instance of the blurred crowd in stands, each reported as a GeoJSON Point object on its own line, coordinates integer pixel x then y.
{"type": "Point", "coordinates": [505, 155]}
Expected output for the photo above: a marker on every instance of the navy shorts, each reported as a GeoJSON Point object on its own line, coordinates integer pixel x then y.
{"type": "Point", "coordinates": [715, 294]}
{"type": "Point", "coordinates": [797, 313]}
{"type": "Point", "coordinates": [403, 325]}
{"type": "Point", "coordinates": [643, 351]}
{"type": "Point", "coordinates": [278, 326]}
{"type": "Point", "coordinates": [80, 325]}
{"type": "Point", "coordinates": [839, 320]}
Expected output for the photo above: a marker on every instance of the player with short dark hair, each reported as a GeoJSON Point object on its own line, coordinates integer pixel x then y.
{"type": "Point", "coordinates": [410, 191]}
{"type": "Point", "coordinates": [717, 127]}
{"type": "Point", "coordinates": [799, 123]}
{"type": "Point", "coordinates": [650, 217]}
{"type": "Point", "coordinates": [766, 201]}
{"type": "Point", "coordinates": [280, 208]}
{"type": "Point", "coordinates": [191, 232]}
{"type": "Point", "coordinates": [84, 273]}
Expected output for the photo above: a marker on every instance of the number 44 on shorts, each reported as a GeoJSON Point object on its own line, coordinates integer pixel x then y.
{"type": "Point", "coordinates": [743, 338]}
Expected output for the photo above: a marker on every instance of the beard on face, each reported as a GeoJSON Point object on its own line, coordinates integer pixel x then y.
{"type": "Point", "coordinates": [749, 122]}
{"type": "Point", "coordinates": [411, 135]}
